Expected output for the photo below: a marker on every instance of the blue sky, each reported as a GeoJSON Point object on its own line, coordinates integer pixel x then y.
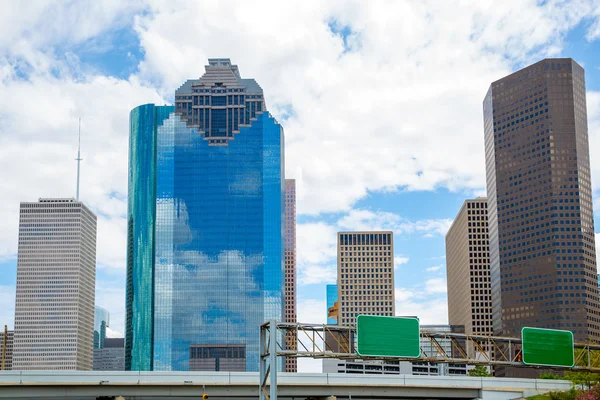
{"type": "Point", "coordinates": [380, 102]}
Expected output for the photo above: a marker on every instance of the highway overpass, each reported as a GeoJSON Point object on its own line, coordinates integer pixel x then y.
{"type": "Point", "coordinates": [245, 385]}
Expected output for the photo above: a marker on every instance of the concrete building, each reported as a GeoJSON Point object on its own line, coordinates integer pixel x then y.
{"type": "Point", "coordinates": [101, 322]}
{"type": "Point", "coordinates": [291, 364]}
{"type": "Point", "coordinates": [541, 223]}
{"type": "Point", "coordinates": [365, 275]}
{"type": "Point", "coordinates": [6, 355]}
{"type": "Point", "coordinates": [365, 285]}
{"type": "Point", "coordinates": [206, 222]}
{"type": "Point", "coordinates": [111, 357]}
{"type": "Point", "coordinates": [468, 270]}
{"type": "Point", "coordinates": [56, 276]}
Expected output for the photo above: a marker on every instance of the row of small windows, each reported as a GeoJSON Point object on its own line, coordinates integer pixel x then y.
{"type": "Point", "coordinates": [363, 239]}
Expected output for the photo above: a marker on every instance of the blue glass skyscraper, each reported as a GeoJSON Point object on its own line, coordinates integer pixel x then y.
{"type": "Point", "coordinates": [205, 255]}
{"type": "Point", "coordinates": [101, 322]}
{"type": "Point", "coordinates": [332, 304]}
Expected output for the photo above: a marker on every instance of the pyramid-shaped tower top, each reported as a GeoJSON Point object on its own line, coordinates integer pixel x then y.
{"type": "Point", "coordinates": [220, 102]}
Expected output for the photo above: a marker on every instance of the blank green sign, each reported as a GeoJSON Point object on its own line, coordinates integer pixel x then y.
{"type": "Point", "coordinates": [388, 336]}
{"type": "Point", "coordinates": [547, 347]}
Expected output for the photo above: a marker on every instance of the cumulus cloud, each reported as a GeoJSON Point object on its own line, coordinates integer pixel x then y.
{"type": "Point", "coordinates": [111, 333]}
{"type": "Point", "coordinates": [358, 117]}
{"type": "Point", "coordinates": [7, 306]}
{"type": "Point", "coordinates": [437, 285]}
{"type": "Point", "coordinates": [378, 120]}
{"type": "Point", "coordinates": [430, 311]}
{"type": "Point", "coordinates": [361, 220]}
{"type": "Point", "coordinates": [434, 268]}
{"type": "Point", "coordinates": [399, 260]}
{"type": "Point", "coordinates": [311, 274]}
{"type": "Point", "coordinates": [110, 295]}
{"type": "Point", "coordinates": [314, 312]}
{"type": "Point", "coordinates": [317, 242]}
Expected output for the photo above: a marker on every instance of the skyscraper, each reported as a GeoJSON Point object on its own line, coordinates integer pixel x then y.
{"type": "Point", "coordinates": [6, 351]}
{"type": "Point", "coordinates": [56, 277]}
{"type": "Point", "coordinates": [365, 275]}
{"type": "Point", "coordinates": [205, 255]}
{"type": "Point", "coordinates": [542, 251]}
{"type": "Point", "coordinates": [101, 322]}
{"type": "Point", "coordinates": [468, 270]}
{"type": "Point", "coordinates": [291, 364]}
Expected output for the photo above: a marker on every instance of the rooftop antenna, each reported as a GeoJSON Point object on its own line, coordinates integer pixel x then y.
{"type": "Point", "coordinates": [78, 159]}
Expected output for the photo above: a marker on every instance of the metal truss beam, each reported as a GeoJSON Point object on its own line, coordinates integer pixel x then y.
{"type": "Point", "coordinates": [333, 341]}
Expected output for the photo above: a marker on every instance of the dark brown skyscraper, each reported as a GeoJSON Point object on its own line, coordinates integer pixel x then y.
{"type": "Point", "coordinates": [541, 227]}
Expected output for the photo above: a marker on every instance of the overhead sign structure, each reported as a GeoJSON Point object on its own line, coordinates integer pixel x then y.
{"type": "Point", "coordinates": [548, 347]}
{"type": "Point", "coordinates": [380, 336]}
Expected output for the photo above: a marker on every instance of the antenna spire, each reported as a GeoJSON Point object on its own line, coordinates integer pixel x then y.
{"type": "Point", "coordinates": [78, 159]}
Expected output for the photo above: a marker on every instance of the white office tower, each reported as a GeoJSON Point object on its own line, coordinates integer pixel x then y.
{"type": "Point", "coordinates": [56, 277]}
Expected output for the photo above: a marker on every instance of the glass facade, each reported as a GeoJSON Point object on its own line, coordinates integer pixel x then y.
{"type": "Point", "coordinates": [332, 299]}
{"type": "Point", "coordinates": [206, 233]}
{"type": "Point", "coordinates": [101, 322]}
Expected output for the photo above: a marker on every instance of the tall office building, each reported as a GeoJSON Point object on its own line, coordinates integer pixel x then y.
{"type": "Point", "coordinates": [205, 255]}
{"type": "Point", "coordinates": [101, 322]}
{"type": "Point", "coordinates": [56, 277]}
{"type": "Point", "coordinates": [291, 363]}
{"type": "Point", "coordinates": [6, 350]}
{"type": "Point", "coordinates": [468, 270]}
{"type": "Point", "coordinates": [111, 357]}
{"type": "Point", "coordinates": [542, 251]}
{"type": "Point", "coordinates": [365, 275]}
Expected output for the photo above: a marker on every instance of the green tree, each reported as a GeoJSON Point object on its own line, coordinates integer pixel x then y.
{"type": "Point", "coordinates": [583, 379]}
{"type": "Point", "coordinates": [550, 375]}
{"type": "Point", "coordinates": [479, 370]}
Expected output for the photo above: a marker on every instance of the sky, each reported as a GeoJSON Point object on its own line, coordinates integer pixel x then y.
{"type": "Point", "coordinates": [381, 103]}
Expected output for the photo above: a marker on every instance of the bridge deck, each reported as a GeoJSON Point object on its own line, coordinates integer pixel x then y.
{"type": "Point", "coordinates": [174, 385]}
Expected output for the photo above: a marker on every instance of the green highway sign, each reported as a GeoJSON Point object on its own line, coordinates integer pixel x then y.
{"type": "Point", "coordinates": [549, 347]}
{"type": "Point", "coordinates": [388, 336]}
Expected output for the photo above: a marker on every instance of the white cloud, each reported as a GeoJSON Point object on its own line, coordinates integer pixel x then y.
{"type": "Point", "coordinates": [7, 306]}
{"type": "Point", "coordinates": [434, 268]}
{"type": "Point", "coordinates": [312, 274]}
{"type": "Point", "coordinates": [427, 99]}
{"type": "Point", "coordinates": [593, 113]}
{"type": "Point", "coordinates": [399, 260]}
{"type": "Point", "coordinates": [365, 220]}
{"type": "Point", "coordinates": [403, 294]}
{"type": "Point", "coordinates": [365, 120]}
{"type": "Point", "coordinates": [317, 241]}
{"type": "Point", "coordinates": [594, 29]}
{"type": "Point", "coordinates": [41, 147]}
{"type": "Point", "coordinates": [436, 285]}
{"type": "Point", "coordinates": [111, 296]}
{"type": "Point", "coordinates": [312, 311]}
{"type": "Point", "coordinates": [427, 302]}
{"type": "Point", "coordinates": [432, 311]}
{"type": "Point", "coordinates": [111, 333]}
